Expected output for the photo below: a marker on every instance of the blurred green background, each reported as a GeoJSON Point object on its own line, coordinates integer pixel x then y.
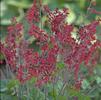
{"type": "Point", "coordinates": [78, 9]}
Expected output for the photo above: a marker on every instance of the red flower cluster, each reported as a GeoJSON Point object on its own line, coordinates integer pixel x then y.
{"type": "Point", "coordinates": [60, 44]}
{"type": "Point", "coordinates": [33, 13]}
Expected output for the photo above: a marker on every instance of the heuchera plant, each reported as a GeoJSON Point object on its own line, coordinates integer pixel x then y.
{"type": "Point", "coordinates": [59, 46]}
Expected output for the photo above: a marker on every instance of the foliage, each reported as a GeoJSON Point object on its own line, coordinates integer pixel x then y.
{"type": "Point", "coordinates": [73, 69]}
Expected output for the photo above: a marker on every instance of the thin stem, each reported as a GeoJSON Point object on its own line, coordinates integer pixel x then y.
{"type": "Point", "coordinates": [20, 92]}
{"type": "Point", "coordinates": [63, 88]}
{"type": "Point", "coordinates": [45, 93]}
{"type": "Point", "coordinates": [41, 16]}
{"type": "Point", "coordinates": [90, 4]}
{"type": "Point", "coordinates": [28, 91]}
{"type": "Point", "coordinates": [87, 13]}
{"type": "Point", "coordinates": [8, 76]}
{"type": "Point", "coordinates": [53, 90]}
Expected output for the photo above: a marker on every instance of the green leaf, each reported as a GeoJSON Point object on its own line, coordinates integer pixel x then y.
{"type": "Point", "coordinates": [61, 98]}
{"type": "Point", "coordinates": [60, 65]}
{"type": "Point", "coordinates": [3, 89]}
{"type": "Point", "coordinates": [74, 93]}
{"type": "Point", "coordinates": [71, 17]}
{"type": "Point", "coordinates": [97, 70]}
{"type": "Point", "coordinates": [1, 56]}
{"type": "Point", "coordinates": [98, 80]}
{"type": "Point", "coordinates": [7, 12]}
{"type": "Point", "coordinates": [85, 84]}
{"type": "Point", "coordinates": [12, 83]}
{"type": "Point", "coordinates": [18, 4]}
{"type": "Point", "coordinates": [53, 94]}
{"type": "Point", "coordinates": [94, 92]}
{"type": "Point", "coordinates": [32, 80]}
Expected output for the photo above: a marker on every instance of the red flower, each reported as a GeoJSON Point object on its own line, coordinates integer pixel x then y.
{"type": "Point", "coordinates": [33, 13]}
{"type": "Point", "coordinates": [41, 64]}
